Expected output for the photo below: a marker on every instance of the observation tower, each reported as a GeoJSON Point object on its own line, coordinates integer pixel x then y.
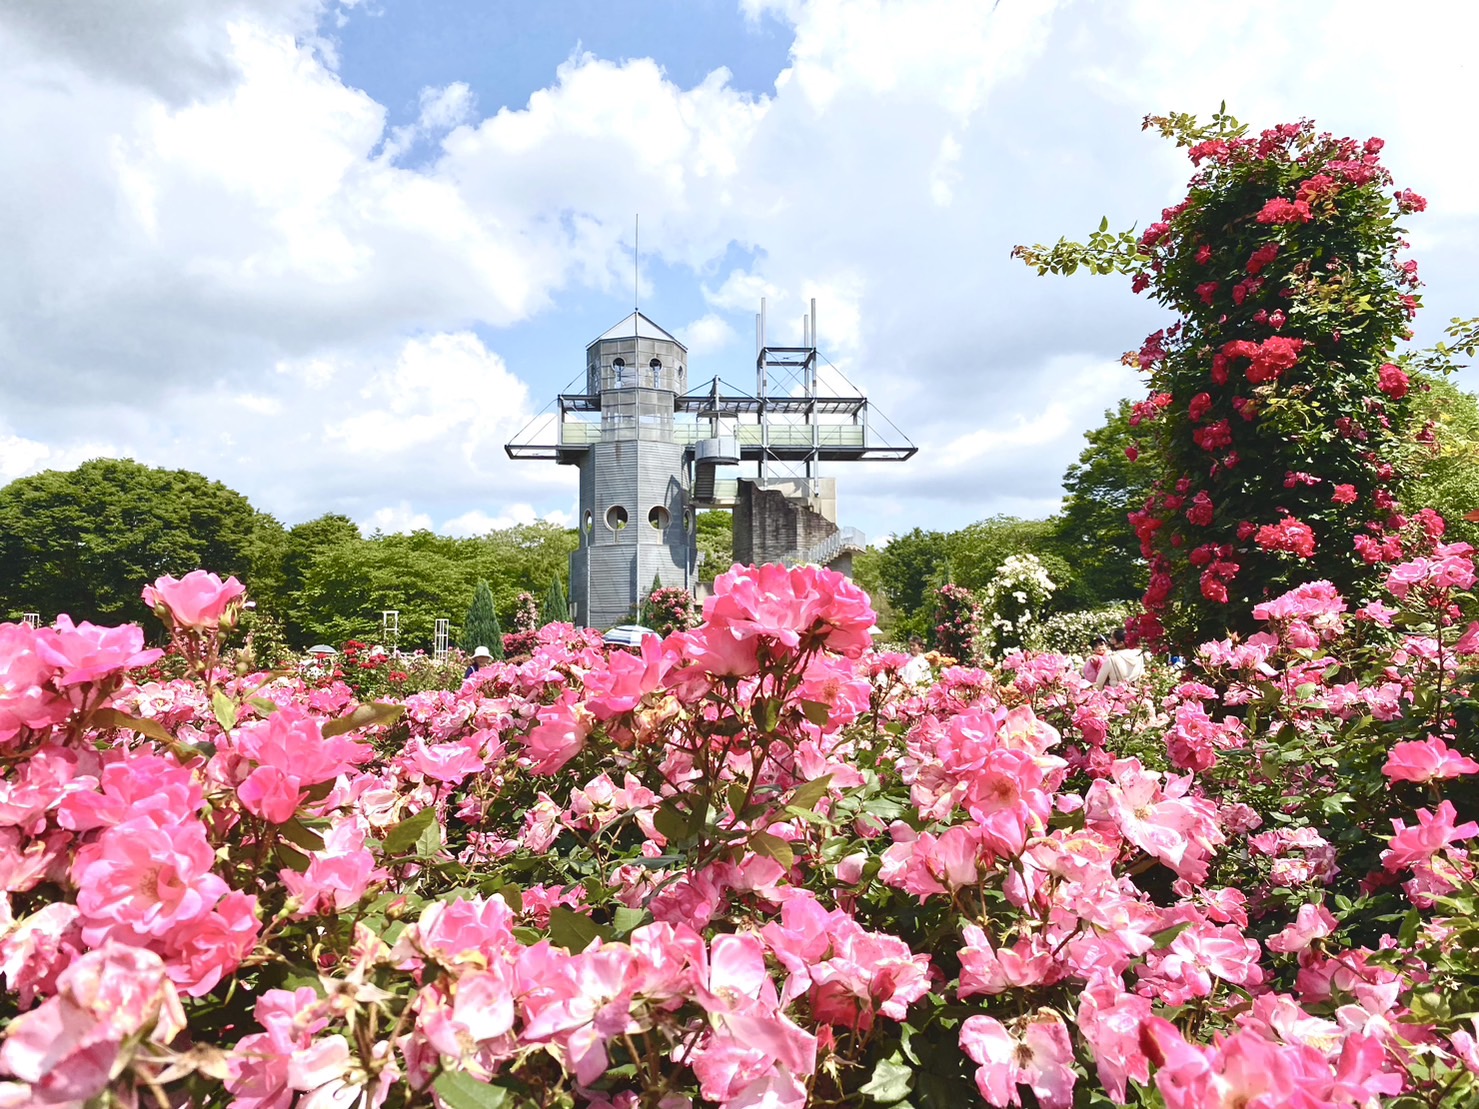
{"type": "Point", "coordinates": [652, 454]}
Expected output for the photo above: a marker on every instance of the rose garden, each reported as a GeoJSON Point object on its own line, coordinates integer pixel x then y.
{"type": "Point", "coordinates": [749, 865]}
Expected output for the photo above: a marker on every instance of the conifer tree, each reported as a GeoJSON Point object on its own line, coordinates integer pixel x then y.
{"type": "Point", "coordinates": [556, 609]}
{"type": "Point", "coordinates": [481, 628]}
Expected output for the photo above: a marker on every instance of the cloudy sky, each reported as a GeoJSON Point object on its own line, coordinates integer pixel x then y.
{"type": "Point", "coordinates": [335, 252]}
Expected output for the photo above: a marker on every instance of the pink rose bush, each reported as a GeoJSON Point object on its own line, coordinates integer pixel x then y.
{"type": "Point", "coordinates": [750, 865]}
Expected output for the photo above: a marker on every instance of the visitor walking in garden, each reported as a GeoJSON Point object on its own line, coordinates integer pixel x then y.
{"type": "Point", "coordinates": [1121, 665]}
{"type": "Point", "coordinates": [480, 658]}
{"type": "Point", "coordinates": [916, 671]}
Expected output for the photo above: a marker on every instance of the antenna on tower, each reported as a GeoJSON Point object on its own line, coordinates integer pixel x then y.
{"type": "Point", "coordinates": [637, 262]}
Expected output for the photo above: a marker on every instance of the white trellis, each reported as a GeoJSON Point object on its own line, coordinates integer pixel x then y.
{"type": "Point", "coordinates": [31, 619]}
{"type": "Point", "coordinates": [390, 630]}
{"type": "Point", "coordinates": [440, 637]}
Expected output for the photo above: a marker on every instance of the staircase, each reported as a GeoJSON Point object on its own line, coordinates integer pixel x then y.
{"type": "Point", "coordinates": [703, 485]}
{"type": "Point", "coordinates": [842, 541]}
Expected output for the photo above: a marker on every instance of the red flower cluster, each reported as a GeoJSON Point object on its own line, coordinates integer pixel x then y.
{"type": "Point", "coordinates": [1261, 258]}
{"type": "Point", "coordinates": [1289, 534]}
{"type": "Point", "coordinates": [1201, 510]}
{"type": "Point", "coordinates": [1279, 210]}
{"type": "Point", "coordinates": [1268, 359]}
{"type": "Point", "coordinates": [1392, 381]}
{"type": "Point", "coordinates": [1213, 437]}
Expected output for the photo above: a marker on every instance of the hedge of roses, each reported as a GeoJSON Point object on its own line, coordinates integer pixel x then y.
{"type": "Point", "coordinates": [1275, 418]}
{"type": "Point", "coordinates": [749, 867]}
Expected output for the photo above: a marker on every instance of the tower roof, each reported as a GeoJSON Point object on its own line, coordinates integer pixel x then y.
{"type": "Point", "coordinates": [639, 325]}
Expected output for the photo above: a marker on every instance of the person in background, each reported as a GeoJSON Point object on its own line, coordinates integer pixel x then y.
{"type": "Point", "coordinates": [1122, 664]}
{"type": "Point", "coordinates": [1095, 662]}
{"type": "Point", "coordinates": [916, 671]}
{"type": "Point", "coordinates": [480, 658]}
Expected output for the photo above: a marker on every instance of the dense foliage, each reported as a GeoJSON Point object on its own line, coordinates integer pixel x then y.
{"type": "Point", "coordinates": [1275, 419]}
{"type": "Point", "coordinates": [80, 541]}
{"type": "Point", "coordinates": [751, 866]}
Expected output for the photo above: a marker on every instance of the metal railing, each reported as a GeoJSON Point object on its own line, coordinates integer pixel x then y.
{"type": "Point", "coordinates": [579, 433]}
{"type": "Point", "coordinates": [820, 554]}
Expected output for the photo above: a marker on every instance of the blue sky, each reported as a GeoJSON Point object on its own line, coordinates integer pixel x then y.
{"type": "Point", "coordinates": [335, 252]}
{"type": "Point", "coordinates": [394, 48]}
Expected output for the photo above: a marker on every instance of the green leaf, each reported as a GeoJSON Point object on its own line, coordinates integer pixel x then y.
{"type": "Point", "coordinates": [571, 930]}
{"type": "Point", "coordinates": [460, 1090]}
{"type": "Point", "coordinates": [1164, 937]}
{"type": "Point", "coordinates": [1410, 925]}
{"type": "Point", "coordinates": [818, 712]}
{"type": "Point", "coordinates": [772, 847]}
{"type": "Point", "coordinates": [808, 794]}
{"type": "Point", "coordinates": [670, 822]}
{"type": "Point", "coordinates": [114, 718]}
{"type": "Point", "coordinates": [292, 858]}
{"type": "Point", "coordinates": [735, 795]}
{"type": "Point", "coordinates": [377, 714]}
{"type": "Point", "coordinates": [294, 831]}
{"type": "Point", "coordinates": [321, 790]}
{"type": "Point", "coordinates": [404, 835]}
{"type": "Point", "coordinates": [225, 709]}
{"type": "Point", "coordinates": [262, 706]}
{"type": "Point", "coordinates": [429, 842]}
{"type": "Point", "coordinates": [625, 921]}
{"type": "Point", "coordinates": [891, 1082]}
{"type": "Point", "coordinates": [766, 712]}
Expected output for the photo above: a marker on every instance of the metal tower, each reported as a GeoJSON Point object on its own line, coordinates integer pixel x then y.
{"type": "Point", "coordinates": [651, 454]}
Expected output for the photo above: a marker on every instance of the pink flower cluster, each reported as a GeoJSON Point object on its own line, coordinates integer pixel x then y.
{"type": "Point", "coordinates": [730, 866]}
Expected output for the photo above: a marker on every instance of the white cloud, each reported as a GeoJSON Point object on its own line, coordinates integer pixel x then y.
{"type": "Point", "coordinates": [479, 522]}
{"type": "Point", "coordinates": [707, 334]}
{"type": "Point", "coordinates": [442, 391]}
{"type": "Point", "coordinates": [395, 519]}
{"type": "Point", "coordinates": [219, 252]}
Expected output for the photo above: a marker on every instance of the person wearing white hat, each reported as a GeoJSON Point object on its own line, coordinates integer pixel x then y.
{"type": "Point", "coordinates": [480, 658]}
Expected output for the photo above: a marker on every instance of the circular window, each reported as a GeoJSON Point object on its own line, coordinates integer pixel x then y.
{"type": "Point", "coordinates": [616, 517]}
{"type": "Point", "coordinates": [659, 517]}
{"type": "Point", "coordinates": [586, 525]}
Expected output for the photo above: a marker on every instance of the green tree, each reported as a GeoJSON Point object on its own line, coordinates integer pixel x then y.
{"type": "Point", "coordinates": [348, 584]}
{"type": "Point", "coordinates": [977, 551]}
{"type": "Point", "coordinates": [1447, 466]}
{"type": "Point", "coordinates": [423, 576]}
{"type": "Point", "coordinates": [481, 628]}
{"type": "Point", "coordinates": [304, 541]}
{"type": "Point", "coordinates": [556, 609]}
{"type": "Point", "coordinates": [1093, 532]}
{"type": "Point", "coordinates": [908, 570]}
{"type": "Point", "coordinates": [714, 533]}
{"type": "Point", "coordinates": [86, 541]}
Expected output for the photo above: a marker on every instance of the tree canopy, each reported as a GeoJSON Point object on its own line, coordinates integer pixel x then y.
{"type": "Point", "coordinates": [85, 541]}
{"type": "Point", "coordinates": [1093, 530]}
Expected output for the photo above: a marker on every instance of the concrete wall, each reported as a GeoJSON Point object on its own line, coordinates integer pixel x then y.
{"type": "Point", "coordinates": [768, 525]}
{"type": "Point", "coordinates": [615, 565]}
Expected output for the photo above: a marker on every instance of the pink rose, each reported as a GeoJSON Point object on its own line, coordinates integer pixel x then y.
{"type": "Point", "coordinates": [199, 600]}
{"type": "Point", "coordinates": [28, 699]}
{"type": "Point", "coordinates": [86, 652]}
{"type": "Point", "coordinates": [68, 1047]}
{"type": "Point", "coordinates": [270, 793]}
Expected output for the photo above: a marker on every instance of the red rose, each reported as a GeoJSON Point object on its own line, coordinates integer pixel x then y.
{"type": "Point", "coordinates": [1392, 381]}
